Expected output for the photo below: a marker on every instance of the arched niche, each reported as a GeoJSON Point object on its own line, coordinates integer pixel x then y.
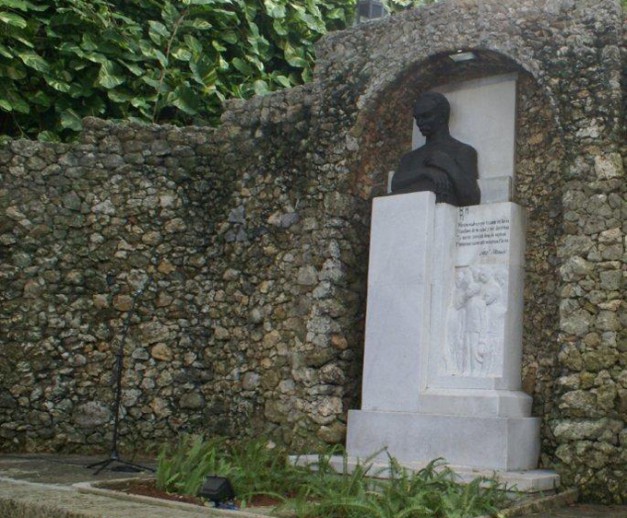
{"type": "Point", "coordinates": [383, 132]}
{"type": "Point", "coordinates": [383, 128]}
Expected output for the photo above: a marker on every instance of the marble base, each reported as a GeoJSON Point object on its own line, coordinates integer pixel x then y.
{"type": "Point", "coordinates": [474, 403]}
{"type": "Point", "coordinates": [443, 342]}
{"type": "Point", "coordinates": [500, 443]}
{"type": "Point", "coordinates": [532, 481]}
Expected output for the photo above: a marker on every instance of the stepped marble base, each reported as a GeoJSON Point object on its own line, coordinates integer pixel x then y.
{"type": "Point", "coordinates": [531, 481]}
{"type": "Point", "coordinates": [499, 443]}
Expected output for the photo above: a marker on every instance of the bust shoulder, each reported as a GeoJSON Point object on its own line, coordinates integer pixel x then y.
{"type": "Point", "coordinates": [412, 157]}
{"type": "Point", "coordinates": [462, 148]}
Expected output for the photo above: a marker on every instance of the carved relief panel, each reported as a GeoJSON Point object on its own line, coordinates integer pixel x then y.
{"type": "Point", "coordinates": [475, 321]}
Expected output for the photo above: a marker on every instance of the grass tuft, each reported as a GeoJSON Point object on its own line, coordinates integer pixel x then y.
{"type": "Point", "coordinates": [255, 468]}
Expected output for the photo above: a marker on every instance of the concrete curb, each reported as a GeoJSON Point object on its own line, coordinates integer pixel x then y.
{"type": "Point", "coordinates": [19, 499]}
{"type": "Point", "coordinates": [92, 488]}
{"type": "Point", "coordinates": [539, 504]}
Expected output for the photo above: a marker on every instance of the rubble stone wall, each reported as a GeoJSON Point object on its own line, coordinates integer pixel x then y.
{"type": "Point", "coordinates": [231, 262]}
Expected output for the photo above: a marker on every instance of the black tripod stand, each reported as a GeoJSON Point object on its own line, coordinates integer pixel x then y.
{"type": "Point", "coordinates": [114, 456]}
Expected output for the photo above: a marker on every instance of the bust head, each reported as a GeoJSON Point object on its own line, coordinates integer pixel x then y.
{"type": "Point", "coordinates": [431, 111]}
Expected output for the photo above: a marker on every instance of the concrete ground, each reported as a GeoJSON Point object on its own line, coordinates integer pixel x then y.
{"type": "Point", "coordinates": [583, 511]}
{"type": "Point", "coordinates": [41, 486]}
{"type": "Point", "coordinates": [63, 470]}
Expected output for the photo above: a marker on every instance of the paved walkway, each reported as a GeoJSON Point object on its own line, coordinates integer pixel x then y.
{"type": "Point", "coordinates": [583, 511]}
{"type": "Point", "coordinates": [59, 469]}
{"type": "Point", "coordinates": [41, 486]}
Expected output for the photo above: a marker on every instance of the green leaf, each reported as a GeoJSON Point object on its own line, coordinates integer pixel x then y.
{"type": "Point", "coordinates": [22, 40]}
{"type": "Point", "coordinates": [223, 64]}
{"type": "Point", "coordinates": [226, 16]}
{"type": "Point", "coordinates": [71, 48]}
{"type": "Point", "coordinates": [256, 63]}
{"type": "Point", "coordinates": [261, 87]}
{"type": "Point", "coordinates": [157, 32]}
{"type": "Point", "coordinates": [96, 57]}
{"type": "Point", "coordinates": [336, 14]}
{"type": "Point", "coordinates": [48, 136]}
{"type": "Point", "coordinates": [306, 75]}
{"type": "Point", "coordinates": [155, 83]}
{"type": "Point", "coordinates": [13, 19]}
{"type": "Point", "coordinates": [16, 102]}
{"type": "Point", "coordinates": [88, 43]}
{"type": "Point", "coordinates": [230, 37]}
{"type": "Point", "coordinates": [71, 120]}
{"type": "Point", "coordinates": [161, 57]}
{"type": "Point", "coordinates": [274, 9]}
{"type": "Point", "coordinates": [118, 96]}
{"type": "Point", "coordinates": [158, 28]}
{"type": "Point", "coordinates": [280, 27]}
{"type": "Point", "coordinates": [57, 84]}
{"type": "Point", "coordinates": [153, 53]}
{"type": "Point", "coordinates": [203, 71]}
{"type": "Point", "coordinates": [139, 102]}
{"type": "Point", "coordinates": [193, 43]}
{"type": "Point", "coordinates": [185, 100]}
{"type": "Point", "coordinates": [65, 18]}
{"type": "Point", "coordinates": [137, 120]}
{"type": "Point", "coordinates": [169, 13]}
{"type": "Point", "coordinates": [34, 61]}
{"type": "Point", "coordinates": [134, 69]}
{"type": "Point", "coordinates": [13, 72]}
{"type": "Point", "coordinates": [216, 45]}
{"type": "Point", "coordinates": [41, 98]}
{"type": "Point", "coordinates": [283, 81]}
{"type": "Point", "coordinates": [312, 22]}
{"type": "Point", "coordinates": [23, 5]}
{"type": "Point", "coordinates": [5, 105]}
{"type": "Point", "coordinates": [94, 105]}
{"type": "Point", "coordinates": [294, 56]}
{"type": "Point", "coordinates": [4, 51]}
{"type": "Point", "coordinates": [15, 4]}
{"type": "Point", "coordinates": [242, 66]}
{"type": "Point", "coordinates": [199, 2]}
{"type": "Point", "coordinates": [198, 24]}
{"type": "Point", "coordinates": [109, 75]}
{"type": "Point", "coordinates": [182, 54]}
{"type": "Point", "coordinates": [250, 10]}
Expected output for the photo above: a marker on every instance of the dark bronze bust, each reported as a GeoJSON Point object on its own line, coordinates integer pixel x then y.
{"type": "Point", "coordinates": [443, 165]}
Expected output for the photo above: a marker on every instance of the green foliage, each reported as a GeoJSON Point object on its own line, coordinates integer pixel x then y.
{"type": "Point", "coordinates": [149, 60]}
{"type": "Point", "coordinates": [431, 492]}
{"type": "Point", "coordinates": [183, 469]}
{"type": "Point", "coordinates": [318, 490]}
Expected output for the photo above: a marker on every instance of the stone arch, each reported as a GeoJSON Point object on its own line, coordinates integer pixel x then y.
{"type": "Point", "coordinates": [570, 176]}
{"type": "Point", "coordinates": [382, 130]}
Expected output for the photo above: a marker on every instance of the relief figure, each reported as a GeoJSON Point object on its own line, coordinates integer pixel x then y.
{"type": "Point", "coordinates": [474, 323]}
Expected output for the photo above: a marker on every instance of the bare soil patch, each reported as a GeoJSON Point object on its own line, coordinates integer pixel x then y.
{"type": "Point", "coordinates": [147, 487]}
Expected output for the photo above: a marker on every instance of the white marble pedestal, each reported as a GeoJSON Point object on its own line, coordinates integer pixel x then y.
{"type": "Point", "coordinates": [443, 344]}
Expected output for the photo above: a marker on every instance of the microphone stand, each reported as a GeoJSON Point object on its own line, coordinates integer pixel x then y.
{"type": "Point", "coordinates": [114, 456]}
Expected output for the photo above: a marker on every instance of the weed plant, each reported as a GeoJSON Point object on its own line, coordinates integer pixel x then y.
{"type": "Point", "coordinates": [318, 490]}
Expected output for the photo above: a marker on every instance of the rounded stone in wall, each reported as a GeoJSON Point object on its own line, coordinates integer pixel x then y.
{"type": "Point", "coordinates": [91, 414]}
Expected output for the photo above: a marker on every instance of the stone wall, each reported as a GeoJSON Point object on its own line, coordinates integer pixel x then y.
{"type": "Point", "coordinates": [236, 257]}
{"type": "Point", "coordinates": [223, 265]}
